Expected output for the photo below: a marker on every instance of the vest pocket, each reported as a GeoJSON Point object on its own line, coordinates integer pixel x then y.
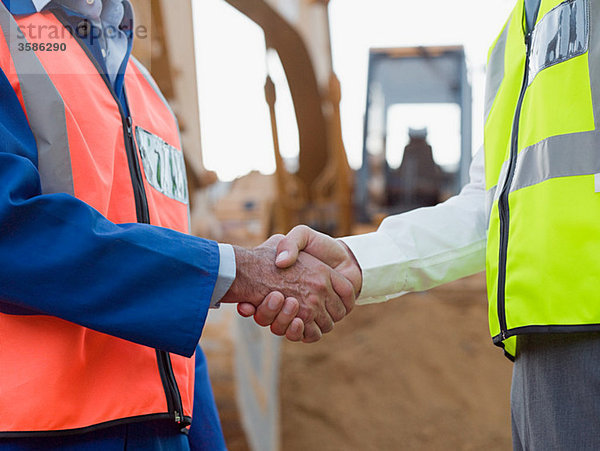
{"type": "Point", "coordinates": [562, 34]}
{"type": "Point", "coordinates": [164, 166]}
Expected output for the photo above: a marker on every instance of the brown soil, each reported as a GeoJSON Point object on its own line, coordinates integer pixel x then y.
{"type": "Point", "coordinates": [416, 373]}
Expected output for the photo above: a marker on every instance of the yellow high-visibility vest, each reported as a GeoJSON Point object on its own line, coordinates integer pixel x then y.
{"type": "Point", "coordinates": [542, 168]}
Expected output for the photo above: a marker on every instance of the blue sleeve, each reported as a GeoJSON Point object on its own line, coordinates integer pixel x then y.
{"type": "Point", "coordinates": [205, 434]}
{"type": "Point", "coordinates": [61, 257]}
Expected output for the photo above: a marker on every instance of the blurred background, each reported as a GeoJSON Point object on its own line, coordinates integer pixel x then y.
{"type": "Point", "coordinates": [335, 114]}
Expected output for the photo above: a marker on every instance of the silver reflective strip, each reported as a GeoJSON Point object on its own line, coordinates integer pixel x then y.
{"type": "Point", "coordinates": [490, 196]}
{"type": "Point", "coordinates": [45, 112]}
{"type": "Point", "coordinates": [558, 156]}
{"type": "Point", "coordinates": [495, 71]}
{"type": "Point", "coordinates": [152, 83]}
{"type": "Point", "coordinates": [562, 34]}
{"type": "Point", "coordinates": [163, 165]}
{"type": "Point", "coordinates": [597, 183]}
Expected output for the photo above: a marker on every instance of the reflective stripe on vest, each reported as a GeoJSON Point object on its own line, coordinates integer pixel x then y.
{"type": "Point", "coordinates": [83, 147]}
{"type": "Point", "coordinates": [542, 153]}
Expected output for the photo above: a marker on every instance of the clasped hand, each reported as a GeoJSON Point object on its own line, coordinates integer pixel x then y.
{"type": "Point", "coordinates": [300, 284]}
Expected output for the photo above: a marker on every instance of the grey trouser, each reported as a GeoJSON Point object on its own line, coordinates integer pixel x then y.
{"type": "Point", "coordinates": [555, 396]}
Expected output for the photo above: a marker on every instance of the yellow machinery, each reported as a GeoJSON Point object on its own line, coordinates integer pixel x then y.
{"type": "Point", "coordinates": [167, 50]}
{"type": "Point", "coordinates": [319, 194]}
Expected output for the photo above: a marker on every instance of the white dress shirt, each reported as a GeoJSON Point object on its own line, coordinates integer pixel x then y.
{"type": "Point", "coordinates": [423, 248]}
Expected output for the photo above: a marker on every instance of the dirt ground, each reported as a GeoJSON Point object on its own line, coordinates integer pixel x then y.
{"type": "Point", "coordinates": [416, 373]}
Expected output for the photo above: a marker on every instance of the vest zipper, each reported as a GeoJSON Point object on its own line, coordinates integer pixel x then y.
{"type": "Point", "coordinates": [503, 207]}
{"type": "Point", "coordinates": [173, 397]}
{"type": "Point", "coordinates": [139, 192]}
{"type": "Point", "coordinates": [167, 376]}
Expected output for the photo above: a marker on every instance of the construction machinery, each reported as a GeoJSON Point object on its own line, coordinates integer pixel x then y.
{"type": "Point", "coordinates": [410, 75]}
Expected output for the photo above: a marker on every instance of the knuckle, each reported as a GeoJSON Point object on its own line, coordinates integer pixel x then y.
{"type": "Point", "coordinates": [302, 228]}
{"type": "Point", "coordinates": [325, 324]}
{"type": "Point", "coordinates": [263, 318]}
{"type": "Point", "coordinates": [347, 291]}
{"type": "Point", "coordinates": [315, 301]}
{"type": "Point", "coordinates": [350, 306]}
{"type": "Point", "coordinates": [276, 329]}
{"type": "Point", "coordinates": [312, 333]}
{"type": "Point", "coordinates": [305, 314]}
{"type": "Point", "coordinates": [262, 321]}
{"type": "Point", "coordinates": [313, 304]}
{"type": "Point", "coordinates": [294, 335]}
{"type": "Point", "coordinates": [280, 325]}
{"type": "Point", "coordinates": [323, 288]}
{"type": "Point", "coordinates": [338, 315]}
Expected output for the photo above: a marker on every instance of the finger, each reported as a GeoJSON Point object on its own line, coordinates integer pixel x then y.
{"type": "Point", "coordinates": [324, 319]}
{"type": "Point", "coordinates": [302, 238]}
{"type": "Point", "coordinates": [296, 330]}
{"type": "Point", "coordinates": [345, 290]}
{"type": "Point", "coordinates": [289, 247]}
{"type": "Point", "coordinates": [285, 316]}
{"type": "Point", "coordinates": [269, 308]}
{"type": "Point", "coordinates": [273, 240]}
{"type": "Point", "coordinates": [312, 333]}
{"type": "Point", "coordinates": [246, 309]}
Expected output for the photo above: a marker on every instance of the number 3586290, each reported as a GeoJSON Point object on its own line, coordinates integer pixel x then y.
{"type": "Point", "coordinates": [42, 46]}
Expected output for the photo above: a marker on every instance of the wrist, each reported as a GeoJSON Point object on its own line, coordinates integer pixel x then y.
{"type": "Point", "coordinates": [354, 268]}
{"type": "Point", "coordinates": [246, 286]}
{"type": "Point", "coordinates": [241, 263]}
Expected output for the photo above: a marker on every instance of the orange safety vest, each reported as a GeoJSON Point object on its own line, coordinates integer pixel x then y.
{"type": "Point", "coordinates": [131, 170]}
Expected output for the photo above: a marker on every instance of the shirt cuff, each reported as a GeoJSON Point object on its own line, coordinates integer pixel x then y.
{"type": "Point", "coordinates": [377, 257]}
{"type": "Point", "coordinates": [226, 274]}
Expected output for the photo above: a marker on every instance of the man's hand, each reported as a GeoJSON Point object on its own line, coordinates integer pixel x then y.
{"type": "Point", "coordinates": [324, 296]}
{"type": "Point", "coordinates": [330, 251]}
{"type": "Point", "coordinates": [277, 312]}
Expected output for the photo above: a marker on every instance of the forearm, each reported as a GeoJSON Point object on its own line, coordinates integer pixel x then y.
{"type": "Point", "coordinates": [134, 281]}
{"type": "Point", "coordinates": [248, 286]}
{"type": "Point", "coordinates": [62, 258]}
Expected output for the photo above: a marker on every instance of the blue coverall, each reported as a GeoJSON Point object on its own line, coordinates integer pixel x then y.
{"type": "Point", "coordinates": [59, 257]}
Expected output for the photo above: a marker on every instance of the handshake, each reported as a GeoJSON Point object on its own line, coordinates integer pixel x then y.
{"type": "Point", "coordinates": [299, 284]}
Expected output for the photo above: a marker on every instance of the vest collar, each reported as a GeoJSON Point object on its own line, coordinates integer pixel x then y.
{"type": "Point", "coordinates": [24, 7]}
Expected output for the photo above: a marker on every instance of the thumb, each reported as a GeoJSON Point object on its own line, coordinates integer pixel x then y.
{"type": "Point", "coordinates": [272, 241]}
{"type": "Point", "coordinates": [291, 245]}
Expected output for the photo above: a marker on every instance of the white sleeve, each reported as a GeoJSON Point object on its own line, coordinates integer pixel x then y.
{"type": "Point", "coordinates": [423, 248]}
